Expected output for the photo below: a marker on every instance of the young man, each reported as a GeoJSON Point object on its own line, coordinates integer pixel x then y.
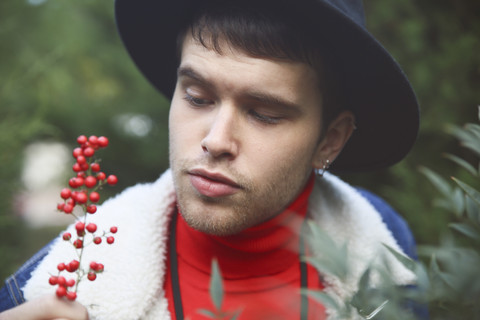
{"type": "Point", "coordinates": [264, 94]}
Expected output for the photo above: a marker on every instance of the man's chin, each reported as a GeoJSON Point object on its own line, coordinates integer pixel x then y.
{"type": "Point", "coordinates": [214, 223]}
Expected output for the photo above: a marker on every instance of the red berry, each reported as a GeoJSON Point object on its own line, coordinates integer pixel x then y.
{"type": "Point", "coordinates": [110, 240]}
{"type": "Point", "coordinates": [70, 282]}
{"type": "Point", "coordinates": [93, 265]}
{"type": "Point", "coordinates": [101, 176]}
{"type": "Point", "coordinates": [71, 295]}
{"type": "Point", "coordinates": [95, 167]}
{"type": "Point", "coordinates": [60, 206]}
{"type": "Point", "coordinates": [97, 240]}
{"type": "Point", "coordinates": [67, 236]}
{"type": "Point", "coordinates": [68, 208]}
{"type": "Point", "coordinates": [61, 266]}
{"type": "Point", "coordinates": [94, 196]}
{"type": "Point", "coordinates": [72, 183]}
{"type": "Point", "coordinates": [84, 166]}
{"type": "Point", "coordinates": [65, 193]}
{"type": "Point", "coordinates": [90, 182]}
{"type": "Point", "coordinates": [79, 181]}
{"type": "Point", "coordinates": [80, 226]}
{"type": "Point", "coordinates": [81, 197]}
{"type": "Point", "coordinates": [73, 266]}
{"type": "Point", "coordinates": [78, 243]}
{"type": "Point", "coordinates": [113, 229]}
{"type": "Point", "coordinates": [91, 208]}
{"type": "Point", "coordinates": [61, 281]}
{"type": "Point", "coordinates": [89, 152]}
{"type": "Point", "coordinates": [112, 180]}
{"type": "Point", "coordinates": [77, 152]}
{"type": "Point", "coordinates": [92, 276]}
{"type": "Point", "coordinates": [91, 227]}
{"type": "Point", "coordinates": [82, 139]}
{"type": "Point", "coordinates": [71, 202]}
{"type": "Point", "coordinates": [99, 268]}
{"type": "Point", "coordinates": [93, 140]}
{"type": "Point", "coordinates": [102, 142]}
{"type": "Point", "coordinates": [53, 280]}
{"type": "Point", "coordinates": [76, 167]}
{"type": "Point", "coordinates": [81, 159]}
{"type": "Point", "coordinates": [61, 292]}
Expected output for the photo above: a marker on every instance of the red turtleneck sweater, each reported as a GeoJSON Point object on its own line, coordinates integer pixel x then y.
{"type": "Point", "coordinates": [260, 268]}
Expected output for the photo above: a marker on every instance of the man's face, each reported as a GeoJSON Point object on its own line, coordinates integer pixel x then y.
{"type": "Point", "coordinates": [243, 135]}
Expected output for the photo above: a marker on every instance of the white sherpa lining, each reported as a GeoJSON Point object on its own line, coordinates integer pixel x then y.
{"type": "Point", "coordinates": [132, 282]}
{"type": "Point", "coordinates": [348, 218]}
{"type": "Point", "coordinates": [132, 285]}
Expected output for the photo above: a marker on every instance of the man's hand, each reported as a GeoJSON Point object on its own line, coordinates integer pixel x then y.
{"type": "Point", "coordinates": [47, 308]}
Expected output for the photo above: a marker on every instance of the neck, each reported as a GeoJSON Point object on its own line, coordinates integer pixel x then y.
{"type": "Point", "coordinates": [268, 248]}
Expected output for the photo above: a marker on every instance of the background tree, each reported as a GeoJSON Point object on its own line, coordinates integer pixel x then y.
{"type": "Point", "coordinates": [64, 72]}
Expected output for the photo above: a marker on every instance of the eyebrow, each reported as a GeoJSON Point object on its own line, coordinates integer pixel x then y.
{"type": "Point", "coordinates": [188, 72]}
{"type": "Point", "coordinates": [255, 95]}
{"type": "Point", "coordinates": [273, 100]}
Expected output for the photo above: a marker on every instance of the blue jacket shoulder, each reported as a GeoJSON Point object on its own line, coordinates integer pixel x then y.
{"type": "Point", "coordinates": [395, 223]}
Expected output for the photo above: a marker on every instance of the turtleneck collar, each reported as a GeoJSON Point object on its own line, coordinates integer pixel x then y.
{"type": "Point", "coordinates": [267, 249]}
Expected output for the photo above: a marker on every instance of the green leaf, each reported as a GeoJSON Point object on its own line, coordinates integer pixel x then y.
{"type": "Point", "coordinates": [423, 280]}
{"type": "Point", "coordinates": [403, 259]}
{"type": "Point", "coordinates": [328, 257]}
{"type": "Point", "coordinates": [323, 298]}
{"type": "Point", "coordinates": [457, 202]}
{"type": "Point", "coordinates": [462, 163]}
{"type": "Point", "coordinates": [235, 315]}
{"type": "Point", "coordinates": [474, 194]}
{"type": "Point", "coordinates": [365, 279]}
{"type": "Point", "coordinates": [469, 136]}
{"type": "Point", "coordinates": [440, 183]}
{"type": "Point", "coordinates": [434, 268]}
{"type": "Point", "coordinates": [474, 129]}
{"type": "Point", "coordinates": [216, 285]}
{"type": "Point", "coordinates": [207, 313]}
{"type": "Point", "coordinates": [325, 266]}
{"type": "Point", "coordinates": [467, 230]}
{"type": "Point", "coordinates": [376, 311]}
{"type": "Point", "coordinates": [473, 210]}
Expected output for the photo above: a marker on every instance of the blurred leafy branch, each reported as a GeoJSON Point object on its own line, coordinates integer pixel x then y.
{"type": "Point", "coordinates": [217, 295]}
{"type": "Point", "coordinates": [448, 283]}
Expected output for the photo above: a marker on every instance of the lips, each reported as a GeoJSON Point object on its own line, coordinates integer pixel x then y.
{"type": "Point", "coordinates": [211, 184]}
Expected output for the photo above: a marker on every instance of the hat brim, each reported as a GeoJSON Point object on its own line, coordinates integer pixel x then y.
{"type": "Point", "coordinates": [376, 89]}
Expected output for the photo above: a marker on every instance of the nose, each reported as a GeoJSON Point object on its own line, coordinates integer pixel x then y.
{"type": "Point", "coordinates": [221, 138]}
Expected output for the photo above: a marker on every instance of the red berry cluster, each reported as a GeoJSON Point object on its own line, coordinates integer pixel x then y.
{"type": "Point", "coordinates": [82, 192]}
{"type": "Point", "coordinates": [89, 178]}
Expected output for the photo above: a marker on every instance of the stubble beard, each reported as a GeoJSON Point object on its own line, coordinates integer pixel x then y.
{"type": "Point", "coordinates": [253, 204]}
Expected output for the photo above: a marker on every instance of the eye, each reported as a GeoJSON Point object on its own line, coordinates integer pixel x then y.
{"type": "Point", "coordinates": [196, 102]}
{"type": "Point", "coordinates": [264, 118]}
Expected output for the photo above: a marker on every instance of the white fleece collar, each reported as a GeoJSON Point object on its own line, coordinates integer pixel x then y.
{"type": "Point", "coordinates": [132, 285]}
{"type": "Point", "coordinates": [348, 218]}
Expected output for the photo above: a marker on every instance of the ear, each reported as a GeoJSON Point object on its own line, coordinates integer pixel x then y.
{"type": "Point", "coordinates": [334, 139]}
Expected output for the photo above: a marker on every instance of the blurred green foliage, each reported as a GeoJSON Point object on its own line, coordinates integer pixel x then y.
{"type": "Point", "coordinates": [64, 72]}
{"type": "Point", "coordinates": [448, 282]}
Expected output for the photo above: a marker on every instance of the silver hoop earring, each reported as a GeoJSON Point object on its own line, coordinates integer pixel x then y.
{"type": "Point", "coordinates": [326, 165]}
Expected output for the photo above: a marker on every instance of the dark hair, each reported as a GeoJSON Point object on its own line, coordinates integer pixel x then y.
{"type": "Point", "coordinates": [268, 31]}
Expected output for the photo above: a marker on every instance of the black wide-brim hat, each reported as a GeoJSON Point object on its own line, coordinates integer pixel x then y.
{"type": "Point", "coordinates": [375, 88]}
